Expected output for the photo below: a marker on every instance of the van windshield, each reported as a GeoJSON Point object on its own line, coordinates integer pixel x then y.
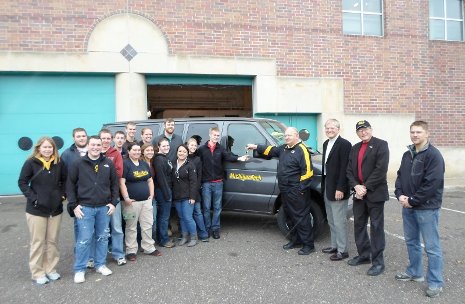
{"type": "Point", "coordinates": [275, 129]}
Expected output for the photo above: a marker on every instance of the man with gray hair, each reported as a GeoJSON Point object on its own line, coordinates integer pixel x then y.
{"type": "Point", "coordinates": [294, 177]}
{"type": "Point", "coordinates": [336, 151]}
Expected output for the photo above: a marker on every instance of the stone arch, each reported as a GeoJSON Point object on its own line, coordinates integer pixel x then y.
{"type": "Point", "coordinates": [112, 33]}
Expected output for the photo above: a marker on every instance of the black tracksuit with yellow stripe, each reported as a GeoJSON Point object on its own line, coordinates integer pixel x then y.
{"type": "Point", "coordinates": [294, 178]}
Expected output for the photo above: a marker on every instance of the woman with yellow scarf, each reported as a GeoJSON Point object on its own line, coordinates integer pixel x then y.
{"type": "Point", "coordinates": [42, 180]}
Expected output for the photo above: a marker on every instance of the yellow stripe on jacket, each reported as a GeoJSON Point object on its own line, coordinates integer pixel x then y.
{"type": "Point", "coordinates": [308, 171]}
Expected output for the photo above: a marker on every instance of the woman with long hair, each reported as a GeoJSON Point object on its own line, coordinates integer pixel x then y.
{"type": "Point", "coordinates": [163, 193]}
{"type": "Point", "coordinates": [198, 215]}
{"type": "Point", "coordinates": [42, 180]}
{"type": "Point", "coordinates": [136, 187]}
{"type": "Point", "coordinates": [148, 151]}
{"type": "Point", "coordinates": [185, 192]}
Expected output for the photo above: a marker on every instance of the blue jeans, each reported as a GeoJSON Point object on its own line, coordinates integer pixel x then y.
{"type": "Point", "coordinates": [95, 220]}
{"type": "Point", "coordinates": [424, 223]}
{"type": "Point", "coordinates": [117, 235]}
{"type": "Point", "coordinates": [164, 210]}
{"type": "Point", "coordinates": [198, 218]}
{"type": "Point", "coordinates": [212, 194]}
{"type": "Point", "coordinates": [185, 212]}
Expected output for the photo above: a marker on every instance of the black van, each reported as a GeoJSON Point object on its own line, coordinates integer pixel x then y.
{"type": "Point", "coordinates": [252, 186]}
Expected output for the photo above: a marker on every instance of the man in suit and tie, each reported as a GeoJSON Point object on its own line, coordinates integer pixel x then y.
{"type": "Point", "coordinates": [366, 174]}
{"type": "Point", "coordinates": [336, 151]}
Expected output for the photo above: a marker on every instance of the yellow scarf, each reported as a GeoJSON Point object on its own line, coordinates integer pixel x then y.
{"type": "Point", "coordinates": [46, 163]}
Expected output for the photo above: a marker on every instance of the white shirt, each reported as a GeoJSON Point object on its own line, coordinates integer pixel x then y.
{"type": "Point", "coordinates": [329, 148]}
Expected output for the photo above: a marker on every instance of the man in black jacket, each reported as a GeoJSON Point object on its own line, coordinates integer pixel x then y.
{"type": "Point", "coordinates": [367, 176]}
{"type": "Point", "coordinates": [419, 189]}
{"type": "Point", "coordinates": [294, 177]}
{"type": "Point", "coordinates": [174, 140]}
{"type": "Point", "coordinates": [93, 192]}
{"type": "Point", "coordinates": [336, 151]}
{"type": "Point", "coordinates": [212, 155]}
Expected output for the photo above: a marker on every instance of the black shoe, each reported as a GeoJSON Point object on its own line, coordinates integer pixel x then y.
{"type": "Point", "coordinates": [291, 245]}
{"type": "Point", "coordinates": [306, 250]}
{"type": "Point", "coordinates": [339, 256]}
{"type": "Point", "coordinates": [358, 260]}
{"type": "Point", "coordinates": [375, 270]}
{"type": "Point", "coordinates": [216, 234]}
{"type": "Point", "coordinates": [329, 250]}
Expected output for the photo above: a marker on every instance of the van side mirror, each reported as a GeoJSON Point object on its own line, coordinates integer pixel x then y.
{"type": "Point", "coordinates": [304, 134]}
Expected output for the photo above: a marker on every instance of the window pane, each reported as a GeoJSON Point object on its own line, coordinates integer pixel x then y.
{"type": "Point", "coordinates": [199, 131]}
{"type": "Point", "coordinates": [436, 8]}
{"type": "Point", "coordinates": [351, 24]}
{"type": "Point", "coordinates": [436, 29]}
{"type": "Point", "coordinates": [372, 6]}
{"type": "Point", "coordinates": [454, 9]}
{"type": "Point", "coordinates": [454, 30]}
{"type": "Point", "coordinates": [372, 25]}
{"type": "Point", "coordinates": [351, 5]}
{"type": "Point", "coordinates": [239, 135]}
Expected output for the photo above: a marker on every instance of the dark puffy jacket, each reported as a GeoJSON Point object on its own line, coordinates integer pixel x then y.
{"type": "Point", "coordinates": [87, 187]}
{"type": "Point", "coordinates": [185, 182]}
{"type": "Point", "coordinates": [421, 177]}
{"type": "Point", "coordinates": [162, 167]}
{"type": "Point", "coordinates": [44, 189]}
{"type": "Point", "coordinates": [295, 167]}
{"type": "Point", "coordinates": [212, 163]}
{"type": "Point", "coordinates": [195, 159]}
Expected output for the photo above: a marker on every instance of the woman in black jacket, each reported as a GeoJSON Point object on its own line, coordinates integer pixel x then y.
{"type": "Point", "coordinates": [163, 194]}
{"type": "Point", "coordinates": [42, 180]}
{"type": "Point", "coordinates": [185, 191]}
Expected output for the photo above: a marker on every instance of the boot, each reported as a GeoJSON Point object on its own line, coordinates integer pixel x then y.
{"type": "Point", "coordinates": [183, 239]}
{"type": "Point", "coordinates": [193, 241]}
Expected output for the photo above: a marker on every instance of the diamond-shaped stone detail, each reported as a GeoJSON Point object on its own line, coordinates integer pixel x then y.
{"type": "Point", "coordinates": [128, 52]}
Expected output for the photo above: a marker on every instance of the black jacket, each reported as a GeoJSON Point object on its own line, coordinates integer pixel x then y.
{"type": "Point", "coordinates": [374, 169]}
{"type": "Point", "coordinates": [86, 187]}
{"type": "Point", "coordinates": [70, 155]}
{"type": "Point", "coordinates": [185, 182]}
{"type": "Point", "coordinates": [421, 177]}
{"type": "Point", "coordinates": [162, 167]}
{"type": "Point", "coordinates": [212, 164]}
{"type": "Point", "coordinates": [295, 167]}
{"type": "Point", "coordinates": [195, 159]}
{"type": "Point", "coordinates": [175, 142]}
{"type": "Point", "coordinates": [334, 173]}
{"type": "Point", "coordinates": [44, 189]}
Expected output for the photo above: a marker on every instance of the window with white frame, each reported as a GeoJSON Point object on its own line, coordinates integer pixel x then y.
{"type": "Point", "coordinates": [446, 20]}
{"type": "Point", "coordinates": [362, 17]}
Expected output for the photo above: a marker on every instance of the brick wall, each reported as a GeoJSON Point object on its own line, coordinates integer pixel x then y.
{"type": "Point", "coordinates": [398, 73]}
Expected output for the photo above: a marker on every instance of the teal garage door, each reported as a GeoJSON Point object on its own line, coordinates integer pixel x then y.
{"type": "Point", "coordinates": [32, 106]}
{"type": "Point", "coordinates": [299, 121]}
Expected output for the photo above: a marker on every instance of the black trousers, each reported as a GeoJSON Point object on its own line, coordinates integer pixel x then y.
{"type": "Point", "coordinates": [373, 246]}
{"type": "Point", "coordinates": [297, 209]}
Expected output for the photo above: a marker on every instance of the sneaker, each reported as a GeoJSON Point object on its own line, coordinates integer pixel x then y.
{"type": "Point", "coordinates": [404, 277]}
{"type": "Point", "coordinates": [121, 261]}
{"type": "Point", "coordinates": [104, 270]}
{"type": "Point", "coordinates": [80, 277]}
{"type": "Point", "coordinates": [205, 239]}
{"type": "Point", "coordinates": [42, 280]}
{"type": "Point", "coordinates": [433, 292]}
{"type": "Point", "coordinates": [53, 276]}
{"type": "Point", "coordinates": [156, 252]}
{"type": "Point", "coordinates": [169, 244]}
{"type": "Point", "coordinates": [90, 264]}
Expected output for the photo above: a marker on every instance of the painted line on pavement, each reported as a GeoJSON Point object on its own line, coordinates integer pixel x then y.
{"type": "Point", "coordinates": [448, 209]}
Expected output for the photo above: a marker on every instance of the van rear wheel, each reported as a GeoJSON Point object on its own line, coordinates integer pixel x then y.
{"type": "Point", "coordinates": [316, 218]}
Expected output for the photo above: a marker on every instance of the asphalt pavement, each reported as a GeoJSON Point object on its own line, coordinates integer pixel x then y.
{"type": "Point", "coordinates": [247, 265]}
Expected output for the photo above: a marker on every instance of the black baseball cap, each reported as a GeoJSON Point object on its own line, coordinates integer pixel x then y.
{"type": "Point", "coordinates": [362, 124]}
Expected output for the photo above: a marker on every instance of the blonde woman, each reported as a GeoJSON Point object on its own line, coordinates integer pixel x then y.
{"type": "Point", "coordinates": [42, 180]}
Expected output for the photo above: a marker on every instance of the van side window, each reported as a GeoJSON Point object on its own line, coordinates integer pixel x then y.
{"type": "Point", "coordinates": [199, 131]}
{"type": "Point", "coordinates": [239, 135]}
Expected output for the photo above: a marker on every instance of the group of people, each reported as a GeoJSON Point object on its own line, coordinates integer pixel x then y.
{"type": "Point", "coordinates": [115, 182]}
{"type": "Point", "coordinates": [360, 171]}
{"type": "Point", "coordinates": [139, 182]}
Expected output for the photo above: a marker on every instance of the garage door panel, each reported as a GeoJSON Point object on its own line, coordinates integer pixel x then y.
{"type": "Point", "coordinates": [37, 105]}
